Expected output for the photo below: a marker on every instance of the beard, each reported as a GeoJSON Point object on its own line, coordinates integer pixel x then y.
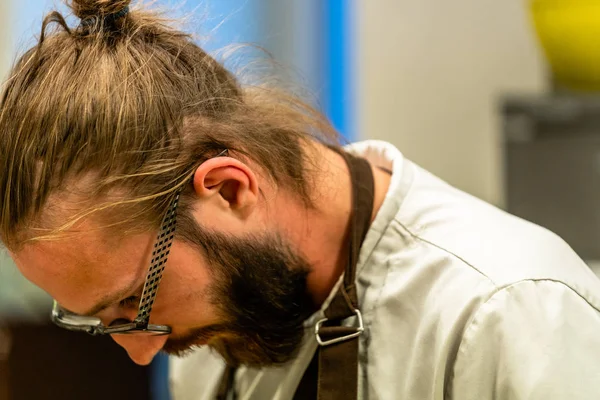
{"type": "Point", "coordinates": [260, 292]}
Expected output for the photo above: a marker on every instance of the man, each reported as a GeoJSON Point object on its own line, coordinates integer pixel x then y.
{"type": "Point", "coordinates": [124, 145]}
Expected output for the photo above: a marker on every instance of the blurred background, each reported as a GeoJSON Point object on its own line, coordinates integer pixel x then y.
{"type": "Point", "coordinates": [499, 98]}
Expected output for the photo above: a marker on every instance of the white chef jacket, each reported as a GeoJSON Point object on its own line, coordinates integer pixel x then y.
{"type": "Point", "coordinates": [460, 300]}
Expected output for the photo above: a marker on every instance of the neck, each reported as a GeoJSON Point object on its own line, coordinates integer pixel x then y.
{"type": "Point", "coordinates": [321, 232]}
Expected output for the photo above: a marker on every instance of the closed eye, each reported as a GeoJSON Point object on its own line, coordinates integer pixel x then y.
{"type": "Point", "coordinates": [130, 302]}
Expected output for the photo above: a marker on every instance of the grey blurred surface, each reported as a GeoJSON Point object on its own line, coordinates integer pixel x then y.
{"type": "Point", "coordinates": [552, 166]}
{"type": "Point", "coordinates": [19, 299]}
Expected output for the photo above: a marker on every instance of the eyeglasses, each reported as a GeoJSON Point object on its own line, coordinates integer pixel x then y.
{"type": "Point", "coordinates": [140, 325]}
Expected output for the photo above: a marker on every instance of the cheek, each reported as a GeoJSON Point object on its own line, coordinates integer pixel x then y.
{"type": "Point", "coordinates": [183, 296]}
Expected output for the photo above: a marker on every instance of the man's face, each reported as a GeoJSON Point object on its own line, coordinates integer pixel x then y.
{"type": "Point", "coordinates": [245, 297]}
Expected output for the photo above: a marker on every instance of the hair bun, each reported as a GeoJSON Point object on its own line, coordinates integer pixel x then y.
{"type": "Point", "coordinates": [89, 9]}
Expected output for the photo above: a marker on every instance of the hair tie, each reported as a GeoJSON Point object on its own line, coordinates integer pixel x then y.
{"type": "Point", "coordinates": [108, 19]}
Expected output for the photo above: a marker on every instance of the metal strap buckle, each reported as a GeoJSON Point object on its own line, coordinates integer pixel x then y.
{"type": "Point", "coordinates": [359, 330]}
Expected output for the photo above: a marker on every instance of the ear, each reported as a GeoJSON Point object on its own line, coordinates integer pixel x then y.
{"type": "Point", "coordinates": [228, 184]}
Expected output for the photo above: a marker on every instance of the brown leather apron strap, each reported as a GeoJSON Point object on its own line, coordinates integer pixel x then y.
{"type": "Point", "coordinates": [226, 384]}
{"type": "Point", "coordinates": [338, 351]}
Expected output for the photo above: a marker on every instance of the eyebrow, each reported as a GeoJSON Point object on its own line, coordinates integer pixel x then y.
{"type": "Point", "coordinates": [111, 299]}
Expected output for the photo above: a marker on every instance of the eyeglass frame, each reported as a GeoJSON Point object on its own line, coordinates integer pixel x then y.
{"type": "Point", "coordinates": [141, 324]}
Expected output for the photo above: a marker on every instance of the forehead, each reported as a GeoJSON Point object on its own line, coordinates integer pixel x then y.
{"type": "Point", "coordinates": [79, 269]}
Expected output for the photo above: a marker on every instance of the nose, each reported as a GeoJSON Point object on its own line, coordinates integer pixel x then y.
{"type": "Point", "coordinates": [141, 349]}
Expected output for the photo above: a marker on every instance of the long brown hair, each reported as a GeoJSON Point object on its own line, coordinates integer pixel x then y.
{"type": "Point", "coordinates": [124, 107]}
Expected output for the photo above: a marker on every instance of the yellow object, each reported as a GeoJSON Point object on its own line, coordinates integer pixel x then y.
{"type": "Point", "coordinates": [569, 31]}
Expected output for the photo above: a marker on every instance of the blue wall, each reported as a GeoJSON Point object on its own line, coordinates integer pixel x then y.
{"type": "Point", "coordinates": [338, 60]}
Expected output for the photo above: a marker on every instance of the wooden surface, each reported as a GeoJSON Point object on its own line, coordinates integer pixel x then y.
{"type": "Point", "coordinates": [51, 363]}
{"type": "Point", "coordinates": [5, 343]}
{"type": "Point", "coordinates": [3, 380]}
